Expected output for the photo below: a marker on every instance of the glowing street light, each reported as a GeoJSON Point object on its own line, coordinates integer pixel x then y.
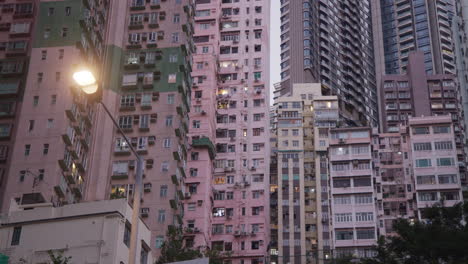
{"type": "Point", "coordinates": [88, 84]}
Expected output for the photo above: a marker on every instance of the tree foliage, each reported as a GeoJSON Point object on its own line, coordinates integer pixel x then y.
{"type": "Point", "coordinates": [174, 249]}
{"type": "Point", "coordinates": [58, 258]}
{"type": "Point", "coordinates": [441, 238]}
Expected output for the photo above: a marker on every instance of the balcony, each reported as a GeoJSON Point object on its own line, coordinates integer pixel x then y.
{"type": "Point", "coordinates": [205, 142]}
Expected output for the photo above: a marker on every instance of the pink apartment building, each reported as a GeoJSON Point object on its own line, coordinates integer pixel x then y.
{"type": "Point", "coordinates": [377, 178]}
{"type": "Point", "coordinates": [51, 158]}
{"type": "Point", "coordinates": [227, 184]}
{"type": "Point", "coordinates": [354, 211]}
{"type": "Point", "coordinates": [16, 40]}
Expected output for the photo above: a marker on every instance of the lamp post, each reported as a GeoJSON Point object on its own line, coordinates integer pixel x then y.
{"type": "Point", "coordinates": [88, 84]}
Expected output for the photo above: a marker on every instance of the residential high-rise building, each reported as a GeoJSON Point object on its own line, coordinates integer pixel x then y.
{"type": "Point", "coordinates": [378, 178]}
{"type": "Point", "coordinates": [299, 183]}
{"type": "Point", "coordinates": [50, 161]}
{"type": "Point", "coordinates": [16, 32]}
{"type": "Point", "coordinates": [152, 109]}
{"type": "Point", "coordinates": [68, 149]}
{"type": "Point", "coordinates": [460, 38]}
{"type": "Point", "coordinates": [352, 194]}
{"type": "Point", "coordinates": [405, 26]}
{"type": "Point", "coordinates": [330, 41]}
{"type": "Point", "coordinates": [416, 94]}
{"type": "Point", "coordinates": [227, 205]}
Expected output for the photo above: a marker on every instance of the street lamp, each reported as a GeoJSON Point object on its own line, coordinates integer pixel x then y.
{"type": "Point", "coordinates": [86, 80]}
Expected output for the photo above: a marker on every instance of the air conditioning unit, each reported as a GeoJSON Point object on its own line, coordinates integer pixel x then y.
{"type": "Point", "coordinates": [342, 141]}
{"type": "Point", "coordinates": [229, 169]}
{"type": "Point", "coordinates": [188, 195]}
{"type": "Point", "coordinates": [233, 139]}
{"type": "Point", "coordinates": [198, 100]}
{"type": "Point", "coordinates": [203, 112]}
{"type": "Point", "coordinates": [253, 168]}
{"type": "Point", "coordinates": [237, 233]}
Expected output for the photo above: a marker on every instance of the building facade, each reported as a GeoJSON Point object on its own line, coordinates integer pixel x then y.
{"type": "Point", "coordinates": [376, 178]}
{"type": "Point", "coordinates": [98, 232]}
{"type": "Point", "coordinates": [227, 184]}
{"type": "Point", "coordinates": [417, 94]}
{"type": "Point", "coordinates": [51, 158]}
{"type": "Point", "coordinates": [406, 26]}
{"type": "Point", "coordinates": [299, 189]}
{"type": "Point", "coordinates": [331, 42]}
{"type": "Point", "coordinates": [151, 103]}
{"type": "Point", "coordinates": [16, 37]}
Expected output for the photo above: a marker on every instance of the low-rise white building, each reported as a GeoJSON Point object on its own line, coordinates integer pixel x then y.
{"type": "Point", "coordinates": [93, 232]}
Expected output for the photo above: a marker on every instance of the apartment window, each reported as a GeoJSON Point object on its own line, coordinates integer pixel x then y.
{"type": "Point", "coordinates": [173, 58]}
{"type": "Point", "coordinates": [45, 150]}
{"type": "Point", "coordinates": [364, 217]}
{"type": "Point", "coordinates": [61, 53]}
{"type": "Point", "coordinates": [365, 234]}
{"type": "Point", "coordinates": [57, 76]}
{"type": "Point", "coordinates": [46, 33]}
{"type": "Point", "coordinates": [53, 99]}
{"type": "Point", "coordinates": [363, 199]}
{"type": "Point", "coordinates": [230, 179]}
{"type": "Point", "coordinates": [193, 172]}
{"type": "Point", "coordinates": [176, 19]}
{"type": "Point", "coordinates": [441, 129]}
{"type": "Point", "coordinates": [165, 166]}
{"type": "Point", "coordinates": [422, 163]}
{"type": "Point", "coordinates": [22, 175]}
{"type": "Point", "coordinates": [31, 125]}
{"type": "Point", "coordinates": [64, 32]}
{"type": "Point", "coordinates": [450, 196]}
{"type": "Point", "coordinates": [426, 146]}
{"type": "Point", "coordinates": [448, 179]}
{"type": "Point", "coordinates": [50, 11]}
{"type": "Point", "coordinates": [161, 216]}
{"type": "Point", "coordinates": [427, 196]}
{"type": "Point", "coordinates": [420, 130]}
{"type": "Point", "coordinates": [196, 124]}
{"type": "Point", "coordinates": [125, 122]}
{"type": "Point", "coordinates": [169, 121]}
{"type": "Point", "coordinates": [343, 217]}
{"type": "Point", "coordinates": [443, 145]}
{"type": "Point", "coordinates": [44, 55]}
{"type": "Point", "coordinates": [27, 149]}
{"type": "Point", "coordinates": [67, 11]}
{"type": "Point", "coordinates": [50, 123]}
{"type": "Point", "coordinates": [35, 100]}
{"type": "Point", "coordinates": [159, 241]}
{"type": "Point", "coordinates": [15, 239]}
{"type": "Point", "coordinates": [344, 235]}
{"type": "Point", "coordinates": [170, 99]}
{"type": "Point", "coordinates": [175, 37]}
{"type": "Point", "coordinates": [191, 207]}
{"type": "Point", "coordinates": [255, 245]}
{"type": "Point", "coordinates": [441, 162]}
{"type": "Point", "coordinates": [144, 121]}
{"type": "Point", "coordinates": [167, 143]}
{"type": "Point", "coordinates": [339, 200]}
{"type": "Point", "coordinates": [163, 191]}
{"type": "Point", "coordinates": [205, 49]}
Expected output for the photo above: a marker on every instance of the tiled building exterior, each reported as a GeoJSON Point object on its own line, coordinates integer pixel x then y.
{"type": "Point", "coordinates": [227, 205]}
{"type": "Point", "coordinates": [418, 94]}
{"type": "Point", "coordinates": [16, 33]}
{"type": "Point", "coordinates": [51, 158]}
{"type": "Point", "coordinates": [299, 186]}
{"type": "Point", "coordinates": [377, 178]}
{"type": "Point", "coordinates": [331, 42]}
{"type": "Point", "coordinates": [152, 105]}
{"type": "Point", "coordinates": [68, 149]}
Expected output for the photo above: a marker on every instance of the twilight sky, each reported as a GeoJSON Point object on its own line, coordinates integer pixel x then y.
{"type": "Point", "coordinates": [275, 51]}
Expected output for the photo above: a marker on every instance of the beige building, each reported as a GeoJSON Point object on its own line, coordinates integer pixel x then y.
{"type": "Point", "coordinates": [303, 120]}
{"type": "Point", "coordinates": [94, 232]}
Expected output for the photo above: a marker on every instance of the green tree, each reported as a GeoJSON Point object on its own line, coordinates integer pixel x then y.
{"type": "Point", "coordinates": [174, 249]}
{"type": "Point", "coordinates": [58, 258]}
{"type": "Point", "coordinates": [441, 238]}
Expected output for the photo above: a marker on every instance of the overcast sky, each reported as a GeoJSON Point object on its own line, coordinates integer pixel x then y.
{"type": "Point", "coordinates": [275, 60]}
